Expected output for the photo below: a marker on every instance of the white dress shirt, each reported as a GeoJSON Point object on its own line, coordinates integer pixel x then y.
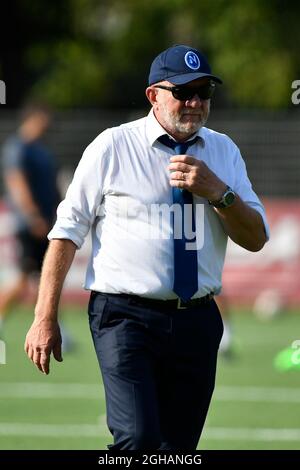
{"type": "Point", "coordinates": [118, 189]}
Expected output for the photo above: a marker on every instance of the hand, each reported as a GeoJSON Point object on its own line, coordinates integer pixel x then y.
{"type": "Point", "coordinates": [195, 176]}
{"type": "Point", "coordinates": [43, 338]}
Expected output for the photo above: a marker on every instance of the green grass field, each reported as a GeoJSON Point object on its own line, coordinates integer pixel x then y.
{"type": "Point", "coordinates": [254, 405]}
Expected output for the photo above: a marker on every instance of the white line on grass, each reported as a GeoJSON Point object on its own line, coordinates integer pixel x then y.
{"type": "Point", "coordinates": [53, 430]}
{"type": "Point", "coordinates": [93, 391]}
{"type": "Point", "coordinates": [255, 434]}
{"type": "Point", "coordinates": [257, 394]}
{"type": "Point", "coordinates": [51, 390]}
{"type": "Point", "coordinates": [89, 430]}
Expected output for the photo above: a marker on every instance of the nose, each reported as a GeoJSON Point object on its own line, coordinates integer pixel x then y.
{"type": "Point", "coordinates": [195, 102]}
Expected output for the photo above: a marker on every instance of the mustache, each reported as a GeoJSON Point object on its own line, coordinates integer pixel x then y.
{"type": "Point", "coordinates": [193, 113]}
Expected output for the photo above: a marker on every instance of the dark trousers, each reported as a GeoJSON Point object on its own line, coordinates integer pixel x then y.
{"type": "Point", "coordinates": [31, 251]}
{"type": "Point", "coordinates": [158, 369]}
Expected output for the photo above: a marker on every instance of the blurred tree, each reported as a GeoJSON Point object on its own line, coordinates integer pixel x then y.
{"type": "Point", "coordinates": [97, 53]}
{"type": "Point", "coordinates": [254, 47]}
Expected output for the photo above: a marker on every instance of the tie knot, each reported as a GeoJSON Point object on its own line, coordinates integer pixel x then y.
{"type": "Point", "coordinates": [179, 147]}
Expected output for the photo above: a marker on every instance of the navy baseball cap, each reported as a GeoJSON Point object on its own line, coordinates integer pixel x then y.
{"type": "Point", "coordinates": [180, 64]}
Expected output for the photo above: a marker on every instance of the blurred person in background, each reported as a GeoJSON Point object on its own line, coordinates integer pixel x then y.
{"type": "Point", "coordinates": [155, 325]}
{"type": "Point", "coordinates": [30, 177]}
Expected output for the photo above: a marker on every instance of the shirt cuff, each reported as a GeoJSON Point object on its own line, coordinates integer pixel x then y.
{"type": "Point", "coordinates": [66, 234]}
{"type": "Point", "coordinates": [261, 211]}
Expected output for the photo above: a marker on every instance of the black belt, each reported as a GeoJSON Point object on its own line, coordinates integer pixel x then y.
{"type": "Point", "coordinates": [163, 304]}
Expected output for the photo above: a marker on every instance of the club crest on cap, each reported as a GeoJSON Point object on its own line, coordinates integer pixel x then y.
{"type": "Point", "coordinates": [192, 60]}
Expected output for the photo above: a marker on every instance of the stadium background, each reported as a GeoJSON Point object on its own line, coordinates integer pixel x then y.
{"type": "Point", "coordinates": [90, 60]}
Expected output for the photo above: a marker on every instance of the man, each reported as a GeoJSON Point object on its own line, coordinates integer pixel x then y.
{"type": "Point", "coordinates": [30, 179]}
{"type": "Point", "coordinates": [155, 325]}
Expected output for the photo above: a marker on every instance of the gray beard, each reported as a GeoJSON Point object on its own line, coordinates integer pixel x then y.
{"type": "Point", "coordinates": [174, 123]}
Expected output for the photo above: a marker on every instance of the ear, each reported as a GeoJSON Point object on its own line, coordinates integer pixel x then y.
{"type": "Point", "coordinates": [151, 93]}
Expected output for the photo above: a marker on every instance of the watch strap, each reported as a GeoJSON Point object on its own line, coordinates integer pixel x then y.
{"type": "Point", "coordinates": [222, 203]}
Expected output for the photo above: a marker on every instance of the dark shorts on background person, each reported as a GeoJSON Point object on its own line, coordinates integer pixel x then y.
{"type": "Point", "coordinates": [158, 367]}
{"type": "Point", "coordinates": [30, 252]}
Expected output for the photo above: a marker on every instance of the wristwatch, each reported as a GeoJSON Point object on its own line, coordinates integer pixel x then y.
{"type": "Point", "coordinates": [226, 200]}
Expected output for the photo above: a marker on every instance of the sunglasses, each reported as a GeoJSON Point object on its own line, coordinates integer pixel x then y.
{"type": "Point", "coordinates": [184, 93]}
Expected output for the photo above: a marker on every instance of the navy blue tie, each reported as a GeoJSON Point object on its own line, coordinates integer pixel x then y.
{"type": "Point", "coordinates": [185, 261]}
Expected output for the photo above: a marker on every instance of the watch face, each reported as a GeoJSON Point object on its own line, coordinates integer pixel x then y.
{"type": "Point", "coordinates": [229, 198]}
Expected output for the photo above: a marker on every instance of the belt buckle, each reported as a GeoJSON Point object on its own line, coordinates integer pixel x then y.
{"type": "Point", "coordinates": [179, 306]}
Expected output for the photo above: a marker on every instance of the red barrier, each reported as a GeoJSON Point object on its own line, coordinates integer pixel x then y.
{"type": "Point", "coordinates": [275, 269]}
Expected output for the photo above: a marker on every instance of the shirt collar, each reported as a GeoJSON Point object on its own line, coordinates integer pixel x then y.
{"type": "Point", "coordinates": [154, 130]}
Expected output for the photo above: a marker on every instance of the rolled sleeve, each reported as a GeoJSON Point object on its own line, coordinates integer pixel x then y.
{"type": "Point", "coordinates": [69, 225]}
{"type": "Point", "coordinates": [76, 213]}
{"type": "Point", "coordinates": [243, 188]}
